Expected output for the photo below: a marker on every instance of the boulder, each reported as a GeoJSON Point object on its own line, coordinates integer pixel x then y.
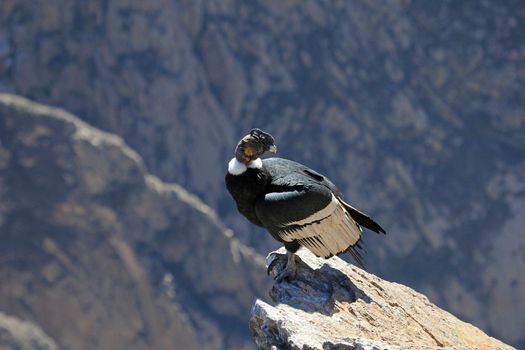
{"type": "Point", "coordinates": [334, 305]}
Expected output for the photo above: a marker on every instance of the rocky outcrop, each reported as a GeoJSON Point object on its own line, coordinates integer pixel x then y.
{"type": "Point", "coordinates": [102, 255]}
{"type": "Point", "coordinates": [413, 108]}
{"type": "Point", "coordinates": [19, 335]}
{"type": "Point", "coordinates": [334, 305]}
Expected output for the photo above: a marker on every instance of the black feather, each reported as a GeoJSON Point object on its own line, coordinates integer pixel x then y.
{"type": "Point", "coordinates": [284, 192]}
{"type": "Point", "coordinates": [363, 219]}
{"type": "Point", "coordinates": [356, 256]}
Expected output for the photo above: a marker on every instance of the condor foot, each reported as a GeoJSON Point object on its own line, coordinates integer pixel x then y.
{"type": "Point", "coordinates": [288, 271]}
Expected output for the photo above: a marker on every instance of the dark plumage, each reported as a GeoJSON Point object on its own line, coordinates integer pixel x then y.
{"type": "Point", "coordinates": [297, 205]}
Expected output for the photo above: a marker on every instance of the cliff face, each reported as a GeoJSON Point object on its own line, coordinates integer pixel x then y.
{"type": "Point", "coordinates": [102, 255]}
{"type": "Point", "coordinates": [334, 305]}
{"type": "Point", "coordinates": [415, 109]}
{"type": "Point", "coordinates": [19, 335]}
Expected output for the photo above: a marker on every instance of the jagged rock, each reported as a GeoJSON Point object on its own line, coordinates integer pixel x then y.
{"type": "Point", "coordinates": [334, 305]}
{"type": "Point", "coordinates": [20, 335]}
{"type": "Point", "coordinates": [103, 255]}
{"type": "Point", "coordinates": [413, 108]}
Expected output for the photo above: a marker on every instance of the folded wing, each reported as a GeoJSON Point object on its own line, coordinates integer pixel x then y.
{"type": "Point", "coordinates": [314, 217]}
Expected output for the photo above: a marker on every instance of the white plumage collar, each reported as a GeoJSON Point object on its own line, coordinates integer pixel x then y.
{"type": "Point", "coordinates": [237, 168]}
{"type": "Point", "coordinates": [255, 164]}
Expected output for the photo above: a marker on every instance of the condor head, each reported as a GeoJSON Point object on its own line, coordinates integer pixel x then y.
{"type": "Point", "coordinates": [253, 145]}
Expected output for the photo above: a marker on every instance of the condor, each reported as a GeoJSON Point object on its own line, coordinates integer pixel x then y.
{"type": "Point", "coordinates": [297, 205]}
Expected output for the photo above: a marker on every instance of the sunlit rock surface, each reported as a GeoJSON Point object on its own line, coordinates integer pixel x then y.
{"type": "Point", "coordinates": [16, 334]}
{"type": "Point", "coordinates": [334, 305]}
{"type": "Point", "coordinates": [415, 109]}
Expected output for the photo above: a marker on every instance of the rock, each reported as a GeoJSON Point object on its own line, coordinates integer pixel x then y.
{"type": "Point", "coordinates": [16, 334]}
{"type": "Point", "coordinates": [413, 108]}
{"type": "Point", "coordinates": [103, 255]}
{"type": "Point", "coordinates": [335, 305]}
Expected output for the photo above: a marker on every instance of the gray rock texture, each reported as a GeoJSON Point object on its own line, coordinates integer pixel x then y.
{"type": "Point", "coordinates": [102, 255]}
{"type": "Point", "coordinates": [16, 334]}
{"type": "Point", "coordinates": [335, 305]}
{"type": "Point", "coordinates": [414, 108]}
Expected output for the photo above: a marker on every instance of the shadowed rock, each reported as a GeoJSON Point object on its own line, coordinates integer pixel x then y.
{"type": "Point", "coordinates": [334, 305]}
{"type": "Point", "coordinates": [414, 108]}
{"type": "Point", "coordinates": [103, 255]}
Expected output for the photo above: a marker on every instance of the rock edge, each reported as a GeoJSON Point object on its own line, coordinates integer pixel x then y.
{"type": "Point", "coordinates": [334, 305]}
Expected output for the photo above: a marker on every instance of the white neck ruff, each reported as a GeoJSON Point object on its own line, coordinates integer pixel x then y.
{"type": "Point", "coordinates": [237, 168]}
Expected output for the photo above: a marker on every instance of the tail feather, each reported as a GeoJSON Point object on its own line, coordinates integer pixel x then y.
{"type": "Point", "coordinates": [363, 219]}
{"type": "Point", "coordinates": [354, 251]}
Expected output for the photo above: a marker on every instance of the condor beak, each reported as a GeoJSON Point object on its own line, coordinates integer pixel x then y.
{"type": "Point", "coordinates": [272, 148]}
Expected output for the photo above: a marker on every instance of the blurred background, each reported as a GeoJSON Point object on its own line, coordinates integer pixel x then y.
{"type": "Point", "coordinates": [116, 231]}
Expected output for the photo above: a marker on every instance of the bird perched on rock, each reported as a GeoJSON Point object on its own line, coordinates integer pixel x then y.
{"type": "Point", "coordinates": [297, 205]}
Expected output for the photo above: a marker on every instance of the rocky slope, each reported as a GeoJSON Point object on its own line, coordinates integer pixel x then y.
{"type": "Point", "coordinates": [415, 109]}
{"type": "Point", "coordinates": [19, 335]}
{"type": "Point", "coordinates": [102, 255]}
{"type": "Point", "coordinates": [334, 305]}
